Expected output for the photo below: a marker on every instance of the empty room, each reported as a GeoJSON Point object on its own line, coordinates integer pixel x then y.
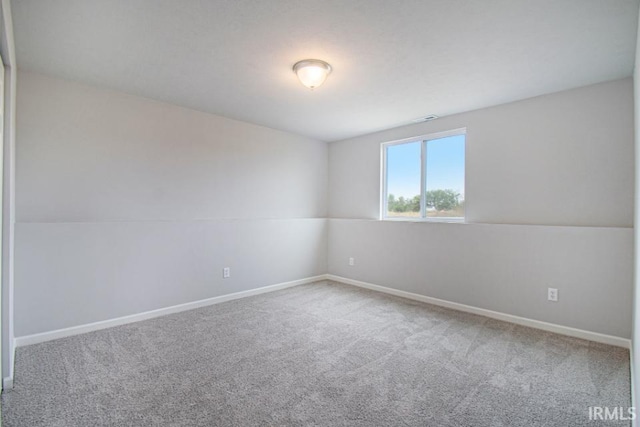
{"type": "Point", "coordinates": [330, 213]}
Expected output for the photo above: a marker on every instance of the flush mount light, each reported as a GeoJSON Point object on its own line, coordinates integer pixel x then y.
{"type": "Point", "coordinates": [312, 72]}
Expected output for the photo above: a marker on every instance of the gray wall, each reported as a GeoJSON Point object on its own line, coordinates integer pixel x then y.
{"type": "Point", "coordinates": [70, 274]}
{"type": "Point", "coordinates": [126, 205]}
{"type": "Point", "coordinates": [86, 154]}
{"type": "Point", "coordinates": [504, 268]}
{"type": "Point", "coordinates": [560, 159]}
{"type": "Point", "coordinates": [558, 169]}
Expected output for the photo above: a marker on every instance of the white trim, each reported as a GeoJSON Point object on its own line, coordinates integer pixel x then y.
{"type": "Point", "coordinates": [7, 50]}
{"type": "Point", "coordinates": [537, 324]}
{"type": "Point", "coordinates": [423, 179]}
{"type": "Point", "coordinates": [383, 182]}
{"type": "Point", "coordinates": [96, 326]}
{"type": "Point", "coordinates": [634, 423]}
{"type": "Point", "coordinates": [446, 220]}
{"type": "Point", "coordinates": [423, 139]}
{"type": "Point", "coordinates": [7, 382]}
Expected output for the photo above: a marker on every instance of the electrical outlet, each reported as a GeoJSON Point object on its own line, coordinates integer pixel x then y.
{"type": "Point", "coordinates": [352, 262]}
{"type": "Point", "coordinates": [226, 273]}
{"type": "Point", "coordinates": [552, 294]}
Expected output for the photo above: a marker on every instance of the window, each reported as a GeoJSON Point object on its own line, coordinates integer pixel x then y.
{"type": "Point", "coordinates": [423, 177]}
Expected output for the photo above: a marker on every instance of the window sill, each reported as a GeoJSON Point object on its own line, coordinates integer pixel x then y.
{"type": "Point", "coordinates": [437, 220]}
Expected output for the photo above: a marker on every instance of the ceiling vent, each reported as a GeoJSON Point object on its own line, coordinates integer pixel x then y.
{"type": "Point", "coordinates": [425, 118]}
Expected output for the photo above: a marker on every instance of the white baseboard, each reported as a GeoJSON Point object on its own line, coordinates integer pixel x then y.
{"type": "Point", "coordinates": [96, 326]}
{"type": "Point", "coordinates": [537, 324]}
{"type": "Point", "coordinates": [7, 382]}
{"type": "Point", "coordinates": [634, 423]}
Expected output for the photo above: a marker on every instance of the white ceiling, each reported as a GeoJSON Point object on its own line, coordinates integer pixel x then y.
{"type": "Point", "coordinates": [393, 60]}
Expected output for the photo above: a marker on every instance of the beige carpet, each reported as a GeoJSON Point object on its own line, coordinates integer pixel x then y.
{"type": "Point", "coordinates": [323, 354]}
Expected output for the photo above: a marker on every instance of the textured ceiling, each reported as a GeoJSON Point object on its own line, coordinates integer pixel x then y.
{"type": "Point", "coordinates": [393, 61]}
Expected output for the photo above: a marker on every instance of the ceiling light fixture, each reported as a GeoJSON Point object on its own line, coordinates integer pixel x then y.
{"type": "Point", "coordinates": [312, 72]}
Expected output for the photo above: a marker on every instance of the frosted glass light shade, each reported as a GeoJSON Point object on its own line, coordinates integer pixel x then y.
{"type": "Point", "coordinates": [312, 72]}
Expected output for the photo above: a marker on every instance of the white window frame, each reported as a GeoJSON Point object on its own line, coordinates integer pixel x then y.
{"type": "Point", "coordinates": [423, 139]}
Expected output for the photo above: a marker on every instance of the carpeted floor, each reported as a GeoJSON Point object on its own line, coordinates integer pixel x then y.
{"type": "Point", "coordinates": [320, 354]}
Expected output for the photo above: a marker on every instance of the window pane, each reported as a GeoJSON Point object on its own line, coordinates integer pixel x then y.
{"type": "Point", "coordinates": [403, 180]}
{"type": "Point", "coordinates": [445, 177]}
